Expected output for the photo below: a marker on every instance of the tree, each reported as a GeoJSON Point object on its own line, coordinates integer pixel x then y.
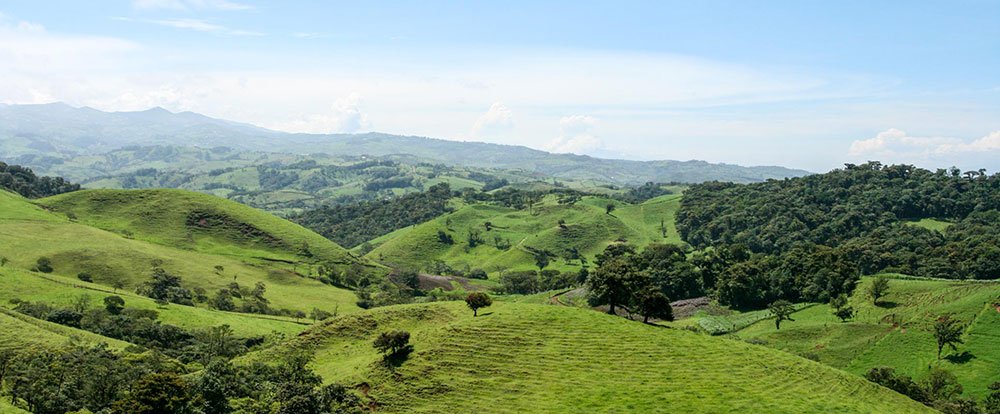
{"type": "Point", "coordinates": [841, 309]}
{"type": "Point", "coordinates": [114, 304]}
{"type": "Point", "coordinates": [318, 314]}
{"type": "Point", "coordinates": [609, 208]}
{"type": "Point", "coordinates": [160, 393]}
{"type": "Point", "coordinates": [947, 332]}
{"type": "Point", "coordinates": [652, 303]}
{"type": "Point", "coordinates": [520, 283]}
{"type": "Point", "coordinates": [782, 311]}
{"type": "Point", "coordinates": [44, 265]}
{"type": "Point", "coordinates": [609, 284]}
{"type": "Point", "coordinates": [541, 259]}
{"type": "Point", "coordinates": [991, 405]}
{"type": "Point", "coordinates": [478, 300]}
{"type": "Point", "coordinates": [217, 382]}
{"type": "Point", "coordinates": [392, 342]}
{"type": "Point", "coordinates": [878, 289]}
{"type": "Point", "coordinates": [445, 238]}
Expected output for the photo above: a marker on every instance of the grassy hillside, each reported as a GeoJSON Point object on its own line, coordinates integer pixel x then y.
{"type": "Point", "coordinates": [114, 260]}
{"type": "Point", "coordinates": [540, 358]}
{"type": "Point", "coordinates": [587, 228]}
{"type": "Point", "coordinates": [898, 333]}
{"type": "Point", "coordinates": [63, 291]}
{"type": "Point", "coordinates": [196, 221]}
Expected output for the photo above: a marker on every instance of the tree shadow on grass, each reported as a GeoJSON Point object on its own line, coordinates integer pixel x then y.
{"type": "Point", "coordinates": [885, 304]}
{"type": "Point", "coordinates": [485, 314]}
{"type": "Point", "coordinates": [962, 358]}
{"type": "Point", "coordinates": [395, 359]}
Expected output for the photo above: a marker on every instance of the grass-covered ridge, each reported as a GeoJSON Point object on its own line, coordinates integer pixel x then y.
{"type": "Point", "coordinates": [196, 221]}
{"type": "Point", "coordinates": [587, 228]}
{"type": "Point", "coordinates": [540, 358]}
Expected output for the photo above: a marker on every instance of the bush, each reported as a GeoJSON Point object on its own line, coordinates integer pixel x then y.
{"type": "Point", "coordinates": [44, 265]}
{"type": "Point", "coordinates": [478, 274]}
{"type": "Point", "coordinates": [392, 342]}
{"type": "Point", "coordinates": [523, 282]}
{"type": "Point", "coordinates": [86, 277]}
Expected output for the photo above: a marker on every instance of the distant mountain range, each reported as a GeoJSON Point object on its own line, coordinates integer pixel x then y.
{"type": "Point", "coordinates": [41, 135]}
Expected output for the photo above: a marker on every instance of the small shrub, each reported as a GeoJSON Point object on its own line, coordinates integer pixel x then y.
{"type": "Point", "coordinates": [478, 274]}
{"type": "Point", "coordinates": [86, 277]}
{"type": "Point", "coordinates": [44, 265]}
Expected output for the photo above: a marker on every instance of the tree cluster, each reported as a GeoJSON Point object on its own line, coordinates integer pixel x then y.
{"type": "Point", "coordinates": [23, 181]}
{"type": "Point", "coordinates": [353, 224]}
{"type": "Point", "coordinates": [861, 211]}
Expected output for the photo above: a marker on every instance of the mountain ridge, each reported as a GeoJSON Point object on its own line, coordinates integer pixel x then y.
{"type": "Point", "coordinates": [61, 130]}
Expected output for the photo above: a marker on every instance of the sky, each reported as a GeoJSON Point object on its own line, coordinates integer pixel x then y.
{"type": "Point", "coordinates": [804, 84]}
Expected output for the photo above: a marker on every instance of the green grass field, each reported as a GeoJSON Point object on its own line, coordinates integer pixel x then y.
{"type": "Point", "coordinates": [199, 222]}
{"type": "Point", "coordinates": [541, 358]}
{"type": "Point", "coordinates": [112, 259]}
{"type": "Point", "coordinates": [587, 228]}
{"type": "Point", "coordinates": [898, 333]}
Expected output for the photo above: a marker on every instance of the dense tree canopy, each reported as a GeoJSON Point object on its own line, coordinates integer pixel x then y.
{"type": "Point", "coordinates": [353, 224]}
{"type": "Point", "coordinates": [23, 181]}
{"type": "Point", "coordinates": [864, 213]}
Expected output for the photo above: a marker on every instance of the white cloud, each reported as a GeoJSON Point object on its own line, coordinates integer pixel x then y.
{"type": "Point", "coordinates": [189, 5]}
{"type": "Point", "coordinates": [28, 48]}
{"type": "Point", "coordinates": [197, 25]}
{"type": "Point", "coordinates": [498, 121]}
{"type": "Point", "coordinates": [345, 116]}
{"type": "Point", "coordinates": [575, 136]}
{"type": "Point", "coordinates": [894, 143]}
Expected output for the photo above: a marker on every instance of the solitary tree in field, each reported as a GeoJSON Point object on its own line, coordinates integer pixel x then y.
{"type": "Point", "coordinates": [947, 332]}
{"type": "Point", "coordinates": [878, 289]}
{"type": "Point", "coordinates": [782, 311]}
{"type": "Point", "coordinates": [841, 309]}
{"type": "Point", "coordinates": [392, 342]}
{"type": "Point", "coordinates": [608, 209]}
{"type": "Point", "coordinates": [652, 303]}
{"type": "Point", "coordinates": [478, 300]}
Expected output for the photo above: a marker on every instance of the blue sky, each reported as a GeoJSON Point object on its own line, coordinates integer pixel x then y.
{"type": "Point", "coordinates": [805, 84]}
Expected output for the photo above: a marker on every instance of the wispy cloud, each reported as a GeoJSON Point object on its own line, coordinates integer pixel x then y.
{"type": "Point", "coordinates": [190, 5]}
{"type": "Point", "coordinates": [197, 25]}
{"type": "Point", "coordinates": [310, 35]}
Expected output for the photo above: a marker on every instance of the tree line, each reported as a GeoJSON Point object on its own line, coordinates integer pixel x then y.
{"type": "Point", "coordinates": [22, 180]}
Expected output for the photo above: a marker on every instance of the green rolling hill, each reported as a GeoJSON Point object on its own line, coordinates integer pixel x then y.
{"type": "Point", "coordinates": [899, 332]}
{"type": "Point", "coordinates": [117, 237]}
{"type": "Point", "coordinates": [587, 228]}
{"type": "Point", "coordinates": [541, 358]}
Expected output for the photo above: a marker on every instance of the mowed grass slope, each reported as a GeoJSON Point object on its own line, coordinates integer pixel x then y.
{"type": "Point", "coordinates": [587, 228]}
{"type": "Point", "coordinates": [899, 333]}
{"type": "Point", "coordinates": [541, 358]}
{"type": "Point", "coordinates": [114, 260]}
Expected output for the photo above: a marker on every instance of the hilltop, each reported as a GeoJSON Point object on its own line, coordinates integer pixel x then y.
{"type": "Point", "coordinates": [539, 358]}
{"type": "Point", "coordinates": [516, 235]}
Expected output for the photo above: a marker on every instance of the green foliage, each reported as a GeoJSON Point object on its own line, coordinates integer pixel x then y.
{"type": "Point", "coordinates": [44, 265]}
{"type": "Point", "coordinates": [353, 224]}
{"type": "Point", "coordinates": [478, 300]}
{"type": "Point", "coordinates": [948, 332]}
{"type": "Point", "coordinates": [841, 309]}
{"type": "Point", "coordinates": [23, 181]}
{"type": "Point", "coordinates": [878, 288]}
{"type": "Point", "coordinates": [392, 342]}
{"type": "Point", "coordinates": [166, 287]}
{"type": "Point", "coordinates": [650, 302]}
{"type": "Point", "coordinates": [861, 212]}
{"type": "Point", "coordinates": [782, 311]}
{"type": "Point", "coordinates": [114, 304]}
{"type": "Point", "coordinates": [523, 282]}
